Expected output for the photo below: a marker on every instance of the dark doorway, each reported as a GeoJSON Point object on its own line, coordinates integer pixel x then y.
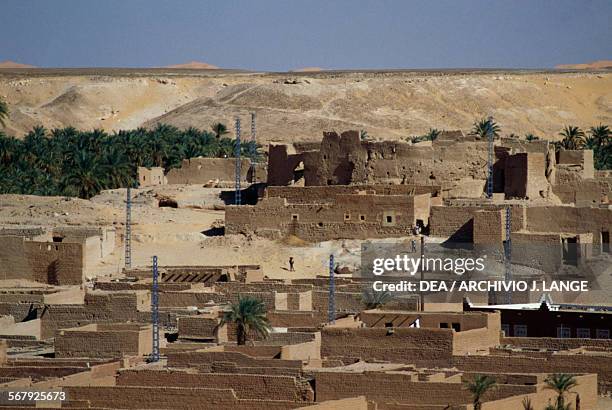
{"type": "Point", "coordinates": [570, 251]}
{"type": "Point", "coordinates": [605, 241]}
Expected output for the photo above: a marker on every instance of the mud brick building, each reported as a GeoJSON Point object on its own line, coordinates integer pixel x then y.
{"type": "Point", "coordinates": [104, 341]}
{"type": "Point", "coordinates": [358, 214]}
{"type": "Point", "coordinates": [59, 256]}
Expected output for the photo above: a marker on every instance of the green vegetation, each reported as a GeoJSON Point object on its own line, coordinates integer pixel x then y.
{"type": "Point", "coordinates": [599, 140]}
{"type": "Point", "coordinates": [573, 138]}
{"type": "Point", "coordinates": [372, 299]}
{"type": "Point", "coordinates": [3, 112]}
{"type": "Point", "coordinates": [249, 315]}
{"type": "Point", "coordinates": [478, 387]}
{"type": "Point", "coordinates": [70, 162]}
{"type": "Point", "coordinates": [561, 383]}
{"type": "Point", "coordinates": [530, 137]}
{"type": "Point", "coordinates": [484, 126]}
{"type": "Point", "coordinates": [431, 135]}
{"type": "Point", "coordinates": [527, 404]}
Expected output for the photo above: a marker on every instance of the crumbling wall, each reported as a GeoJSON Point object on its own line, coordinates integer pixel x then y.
{"type": "Point", "coordinates": [567, 219]}
{"type": "Point", "coordinates": [399, 345]}
{"type": "Point", "coordinates": [151, 176]}
{"type": "Point", "coordinates": [202, 170]}
{"type": "Point", "coordinates": [350, 216]}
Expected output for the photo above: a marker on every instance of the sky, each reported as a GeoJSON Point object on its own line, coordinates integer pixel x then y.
{"type": "Point", "coordinates": [283, 35]}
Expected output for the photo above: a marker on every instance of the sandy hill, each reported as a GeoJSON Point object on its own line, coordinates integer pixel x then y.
{"type": "Point", "coordinates": [195, 65]}
{"type": "Point", "coordinates": [595, 65]}
{"type": "Point", "coordinates": [307, 70]}
{"type": "Point", "coordinates": [12, 64]}
{"type": "Point", "coordinates": [300, 106]}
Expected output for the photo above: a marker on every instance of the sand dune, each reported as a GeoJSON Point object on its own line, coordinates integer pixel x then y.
{"type": "Point", "coordinates": [12, 64]}
{"type": "Point", "coordinates": [595, 65]}
{"type": "Point", "coordinates": [194, 65]}
{"type": "Point", "coordinates": [300, 106]}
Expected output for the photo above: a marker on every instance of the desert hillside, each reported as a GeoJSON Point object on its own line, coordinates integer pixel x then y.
{"type": "Point", "coordinates": [299, 106]}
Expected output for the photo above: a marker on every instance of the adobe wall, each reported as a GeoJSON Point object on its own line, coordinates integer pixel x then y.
{"type": "Point", "coordinates": [202, 170]}
{"type": "Point", "coordinates": [351, 216]}
{"type": "Point", "coordinates": [141, 397]}
{"type": "Point", "coordinates": [586, 388]}
{"type": "Point", "coordinates": [103, 341]}
{"type": "Point", "coordinates": [403, 388]}
{"type": "Point", "coordinates": [566, 219]}
{"type": "Point", "coordinates": [561, 363]}
{"type": "Point", "coordinates": [457, 222]}
{"type": "Point", "coordinates": [551, 343]}
{"type": "Point", "coordinates": [282, 161]}
{"type": "Point", "coordinates": [151, 176]}
{"type": "Point", "coordinates": [56, 263]}
{"type": "Point", "coordinates": [432, 320]}
{"type": "Point", "coordinates": [261, 387]}
{"type": "Point", "coordinates": [198, 327]}
{"type": "Point", "coordinates": [14, 262]}
{"type": "Point", "coordinates": [328, 194]}
{"type": "Point", "coordinates": [204, 360]}
{"type": "Point", "coordinates": [538, 250]}
{"type": "Point", "coordinates": [400, 345]}
{"type": "Point", "coordinates": [489, 227]}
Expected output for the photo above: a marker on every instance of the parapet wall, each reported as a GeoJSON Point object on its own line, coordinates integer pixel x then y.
{"type": "Point", "coordinates": [202, 170]}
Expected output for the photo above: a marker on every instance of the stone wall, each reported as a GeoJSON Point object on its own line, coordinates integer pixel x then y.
{"type": "Point", "coordinates": [350, 216]}
{"type": "Point", "coordinates": [151, 176]}
{"type": "Point", "coordinates": [104, 341]}
{"type": "Point", "coordinates": [202, 170]}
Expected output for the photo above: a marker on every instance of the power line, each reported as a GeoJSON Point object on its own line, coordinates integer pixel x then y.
{"type": "Point", "coordinates": [238, 198]}
{"type": "Point", "coordinates": [253, 148]}
{"type": "Point", "coordinates": [490, 158]}
{"type": "Point", "coordinates": [128, 228]}
{"type": "Point", "coordinates": [508, 255]}
{"type": "Point", "coordinates": [331, 312]}
{"type": "Point", "coordinates": [155, 312]}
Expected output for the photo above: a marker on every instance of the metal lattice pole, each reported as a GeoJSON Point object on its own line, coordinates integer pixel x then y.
{"type": "Point", "coordinates": [128, 228]}
{"type": "Point", "coordinates": [331, 313]}
{"type": "Point", "coordinates": [238, 198]}
{"type": "Point", "coordinates": [253, 148]}
{"type": "Point", "coordinates": [490, 159]}
{"type": "Point", "coordinates": [155, 311]}
{"type": "Point", "coordinates": [508, 254]}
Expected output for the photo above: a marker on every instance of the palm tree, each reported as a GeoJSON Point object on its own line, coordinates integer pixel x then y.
{"type": "Point", "coordinates": [486, 126]}
{"type": "Point", "coordinates": [601, 134]}
{"type": "Point", "coordinates": [4, 111]}
{"type": "Point", "coordinates": [530, 137]}
{"type": "Point", "coordinates": [373, 299]}
{"type": "Point", "coordinates": [573, 138]}
{"type": "Point", "coordinates": [562, 383]}
{"type": "Point", "coordinates": [249, 315]}
{"type": "Point", "coordinates": [432, 134]}
{"type": "Point", "coordinates": [85, 177]}
{"type": "Point", "coordinates": [219, 129]}
{"type": "Point", "coordinates": [478, 387]}
{"type": "Point", "coordinates": [527, 404]}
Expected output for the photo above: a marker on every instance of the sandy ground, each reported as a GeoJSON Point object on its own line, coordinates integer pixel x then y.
{"type": "Point", "coordinates": [300, 106]}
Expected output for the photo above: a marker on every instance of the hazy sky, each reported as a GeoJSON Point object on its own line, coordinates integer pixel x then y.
{"type": "Point", "coordinates": [285, 34]}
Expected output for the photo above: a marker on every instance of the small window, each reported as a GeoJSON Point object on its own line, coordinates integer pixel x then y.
{"type": "Point", "coordinates": [583, 333]}
{"type": "Point", "coordinates": [329, 182]}
{"type": "Point", "coordinates": [389, 219]}
{"type": "Point", "coordinates": [443, 325]}
{"type": "Point", "coordinates": [295, 217]}
{"type": "Point", "coordinates": [564, 332]}
{"type": "Point", "coordinates": [347, 217]}
{"type": "Point", "coordinates": [602, 333]}
{"type": "Point", "coordinates": [320, 224]}
{"type": "Point", "coordinates": [389, 324]}
{"type": "Point", "coordinates": [506, 329]}
{"type": "Point", "coordinates": [456, 327]}
{"type": "Point", "coordinates": [520, 330]}
{"type": "Point", "coordinates": [362, 218]}
{"type": "Point", "coordinates": [57, 239]}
